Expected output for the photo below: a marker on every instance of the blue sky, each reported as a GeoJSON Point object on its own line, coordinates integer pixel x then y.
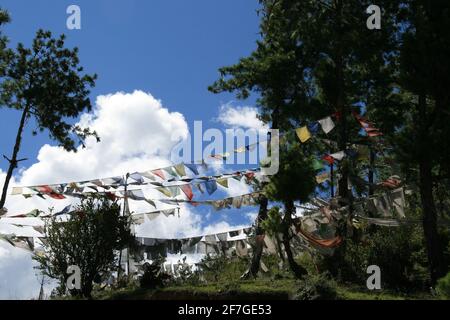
{"type": "Point", "coordinates": [171, 49]}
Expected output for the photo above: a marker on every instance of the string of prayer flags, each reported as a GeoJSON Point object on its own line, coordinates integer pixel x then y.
{"type": "Point", "coordinates": [237, 201]}
{"type": "Point", "coordinates": [32, 214]}
{"type": "Point", "coordinates": [26, 243]}
{"type": "Point", "coordinates": [83, 188]}
{"type": "Point", "coordinates": [47, 190]}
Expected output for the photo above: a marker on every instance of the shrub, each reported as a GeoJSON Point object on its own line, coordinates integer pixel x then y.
{"type": "Point", "coordinates": [399, 252]}
{"type": "Point", "coordinates": [443, 286]}
{"type": "Point", "coordinates": [153, 276]}
{"type": "Point", "coordinates": [317, 287]}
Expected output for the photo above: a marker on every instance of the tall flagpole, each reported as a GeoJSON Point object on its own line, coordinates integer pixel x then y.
{"type": "Point", "coordinates": [125, 204]}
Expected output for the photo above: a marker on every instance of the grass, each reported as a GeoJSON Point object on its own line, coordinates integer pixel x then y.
{"type": "Point", "coordinates": [250, 290]}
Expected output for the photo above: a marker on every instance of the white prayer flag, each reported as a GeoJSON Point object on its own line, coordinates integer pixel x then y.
{"type": "Point", "coordinates": [327, 124]}
{"type": "Point", "coordinates": [338, 155]}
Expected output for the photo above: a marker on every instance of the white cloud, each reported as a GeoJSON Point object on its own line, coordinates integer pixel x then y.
{"type": "Point", "coordinates": [240, 117]}
{"type": "Point", "coordinates": [17, 277]}
{"type": "Point", "coordinates": [136, 131]}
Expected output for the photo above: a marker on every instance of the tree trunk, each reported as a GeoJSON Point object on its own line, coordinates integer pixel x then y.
{"type": "Point", "coordinates": [257, 253]}
{"type": "Point", "coordinates": [296, 269]}
{"type": "Point", "coordinates": [262, 214]}
{"type": "Point", "coordinates": [340, 105]}
{"type": "Point", "coordinates": [434, 251]}
{"type": "Point", "coordinates": [13, 160]}
{"type": "Point", "coordinates": [87, 290]}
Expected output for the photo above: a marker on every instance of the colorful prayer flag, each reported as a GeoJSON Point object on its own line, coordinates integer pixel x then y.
{"type": "Point", "coordinates": [303, 134]}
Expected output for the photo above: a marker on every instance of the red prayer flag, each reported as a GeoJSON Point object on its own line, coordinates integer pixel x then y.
{"type": "Point", "coordinates": [186, 188]}
{"type": "Point", "coordinates": [328, 159]}
{"type": "Point", "coordinates": [159, 173]}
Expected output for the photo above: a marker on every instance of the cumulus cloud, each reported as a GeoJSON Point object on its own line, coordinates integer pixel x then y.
{"type": "Point", "coordinates": [18, 279]}
{"type": "Point", "coordinates": [137, 133]}
{"type": "Point", "coordinates": [240, 117]}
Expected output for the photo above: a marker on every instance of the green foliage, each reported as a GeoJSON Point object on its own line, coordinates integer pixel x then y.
{"type": "Point", "coordinates": [89, 238]}
{"type": "Point", "coordinates": [317, 287]}
{"type": "Point", "coordinates": [44, 81]}
{"type": "Point", "coordinates": [221, 268]}
{"type": "Point", "coordinates": [4, 53]}
{"type": "Point", "coordinates": [443, 286]}
{"type": "Point", "coordinates": [399, 252]}
{"type": "Point", "coordinates": [272, 224]}
{"type": "Point", "coordinates": [295, 177]}
{"type": "Point", "coordinates": [153, 275]}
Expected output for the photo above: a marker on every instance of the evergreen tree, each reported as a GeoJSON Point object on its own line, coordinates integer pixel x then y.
{"type": "Point", "coordinates": [45, 83]}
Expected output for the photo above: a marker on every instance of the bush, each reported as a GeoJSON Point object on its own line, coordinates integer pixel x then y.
{"type": "Point", "coordinates": [317, 287]}
{"type": "Point", "coordinates": [89, 237]}
{"type": "Point", "coordinates": [399, 252]}
{"type": "Point", "coordinates": [153, 276]}
{"type": "Point", "coordinates": [443, 286]}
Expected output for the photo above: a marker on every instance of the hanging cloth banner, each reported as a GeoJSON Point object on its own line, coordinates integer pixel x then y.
{"type": "Point", "coordinates": [324, 243]}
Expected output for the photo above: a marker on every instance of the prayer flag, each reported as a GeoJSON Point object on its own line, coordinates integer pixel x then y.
{"type": "Point", "coordinates": [303, 134]}
{"type": "Point", "coordinates": [327, 124]}
{"type": "Point", "coordinates": [187, 191]}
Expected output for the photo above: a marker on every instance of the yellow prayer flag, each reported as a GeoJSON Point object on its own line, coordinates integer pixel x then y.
{"type": "Point", "coordinates": [322, 177]}
{"type": "Point", "coordinates": [223, 182]}
{"type": "Point", "coordinates": [303, 134]}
